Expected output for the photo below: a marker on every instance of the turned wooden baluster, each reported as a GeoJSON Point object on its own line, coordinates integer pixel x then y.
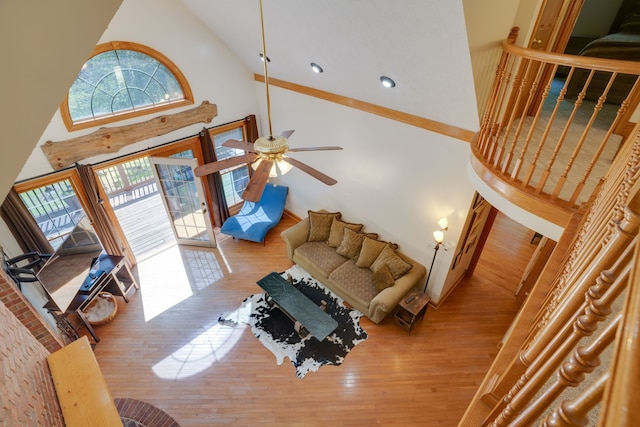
{"type": "Point", "coordinates": [486, 123]}
{"type": "Point", "coordinates": [596, 110]}
{"type": "Point", "coordinates": [542, 141]}
{"type": "Point", "coordinates": [598, 307]}
{"type": "Point", "coordinates": [487, 119]}
{"type": "Point", "coordinates": [596, 156]}
{"type": "Point", "coordinates": [614, 192]}
{"type": "Point", "coordinates": [497, 117]}
{"type": "Point", "coordinates": [488, 132]}
{"type": "Point", "coordinates": [575, 413]}
{"type": "Point", "coordinates": [519, 86]}
{"type": "Point", "coordinates": [563, 135]}
{"type": "Point", "coordinates": [558, 316]}
{"type": "Point", "coordinates": [622, 393]}
{"type": "Point", "coordinates": [571, 373]}
{"type": "Point", "coordinates": [527, 141]}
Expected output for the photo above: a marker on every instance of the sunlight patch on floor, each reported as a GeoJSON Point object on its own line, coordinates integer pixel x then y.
{"type": "Point", "coordinates": [201, 265]}
{"type": "Point", "coordinates": [204, 350]}
{"type": "Point", "coordinates": [163, 282]}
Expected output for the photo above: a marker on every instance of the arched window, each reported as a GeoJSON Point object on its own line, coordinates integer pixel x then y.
{"type": "Point", "coordinates": [123, 80]}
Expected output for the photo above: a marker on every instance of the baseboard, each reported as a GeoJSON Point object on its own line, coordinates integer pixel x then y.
{"type": "Point", "coordinates": [291, 215]}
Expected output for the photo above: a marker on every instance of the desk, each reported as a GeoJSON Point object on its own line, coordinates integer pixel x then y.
{"type": "Point", "coordinates": [72, 294]}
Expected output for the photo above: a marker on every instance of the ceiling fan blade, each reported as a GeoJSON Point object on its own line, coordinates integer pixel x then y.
{"type": "Point", "coordinates": [311, 171]}
{"type": "Point", "coordinates": [224, 164]}
{"type": "Point", "coordinates": [287, 133]}
{"type": "Point", "coordinates": [258, 181]}
{"type": "Point", "coordinates": [315, 148]}
{"type": "Point", "coordinates": [240, 145]}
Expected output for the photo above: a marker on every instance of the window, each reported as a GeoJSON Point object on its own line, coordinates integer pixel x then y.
{"type": "Point", "coordinates": [122, 80]}
{"type": "Point", "coordinates": [56, 209]}
{"type": "Point", "coordinates": [235, 179]}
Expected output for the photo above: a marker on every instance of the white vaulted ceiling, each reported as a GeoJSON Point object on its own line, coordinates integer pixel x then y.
{"type": "Point", "coordinates": [421, 44]}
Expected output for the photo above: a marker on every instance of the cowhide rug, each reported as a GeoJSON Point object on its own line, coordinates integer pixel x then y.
{"type": "Point", "coordinates": [276, 331]}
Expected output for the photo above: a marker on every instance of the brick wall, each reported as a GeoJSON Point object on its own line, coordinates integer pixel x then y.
{"type": "Point", "coordinates": [27, 395]}
{"type": "Point", "coordinates": [13, 299]}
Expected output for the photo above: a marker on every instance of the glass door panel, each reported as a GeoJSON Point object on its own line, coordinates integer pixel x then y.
{"type": "Point", "coordinates": [183, 198]}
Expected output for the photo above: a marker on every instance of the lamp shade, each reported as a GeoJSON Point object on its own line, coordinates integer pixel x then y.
{"type": "Point", "coordinates": [438, 235]}
{"type": "Point", "coordinates": [443, 223]}
{"type": "Point", "coordinates": [283, 166]}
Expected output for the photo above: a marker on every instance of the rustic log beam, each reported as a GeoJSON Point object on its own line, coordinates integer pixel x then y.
{"type": "Point", "coordinates": [110, 140]}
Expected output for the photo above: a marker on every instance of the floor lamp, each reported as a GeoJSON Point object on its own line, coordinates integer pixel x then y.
{"type": "Point", "coordinates": [438, 235]}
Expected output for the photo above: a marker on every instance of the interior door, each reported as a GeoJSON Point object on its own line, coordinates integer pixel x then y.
{"type": "Point", "coordinates": [463, 260]}
{"type": "Point", "coordinates": [546, 25]}
{"type": "Point", "coordinates": [183, 198]}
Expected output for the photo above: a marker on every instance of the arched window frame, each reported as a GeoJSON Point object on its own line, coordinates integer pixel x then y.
{"type": "Point", "coordinates": [123, 45]}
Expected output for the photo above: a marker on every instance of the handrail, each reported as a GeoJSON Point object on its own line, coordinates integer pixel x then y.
{"type": "Point", "coordinates": [552, 126]}
{"type": "Point", "coordinates": [591, 62]}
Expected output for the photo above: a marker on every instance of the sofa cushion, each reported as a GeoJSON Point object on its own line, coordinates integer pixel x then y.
{"type": "Point", "coordinates": [382, 278]}
{"type": "Point", "coordinates": [356, 281]}
{"type": "Point", "coordinates": [337, 231]}
{"type": "Point", "coordinates": [398, 266]}
{"type": "Point", "coordinates": [352, 243]}
{"type": "Point", "coordinates": [371, 248]}
{"type": "Point", "coordinates": [323, 256]}
{"type": "Point", "coordinates": [320, 225]}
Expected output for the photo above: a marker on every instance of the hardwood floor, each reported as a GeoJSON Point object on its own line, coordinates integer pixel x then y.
{"type": "Point", "coordinates": [166, 348]}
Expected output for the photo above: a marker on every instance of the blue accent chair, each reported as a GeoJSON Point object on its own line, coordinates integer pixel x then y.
{"type": "Point", "coordinates": [255, 219]}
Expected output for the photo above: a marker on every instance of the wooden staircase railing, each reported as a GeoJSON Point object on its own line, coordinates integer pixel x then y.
{"type": "Point", "coordinates": [573, 359]}
{"type": "Point", "coordinates": [552, 126]}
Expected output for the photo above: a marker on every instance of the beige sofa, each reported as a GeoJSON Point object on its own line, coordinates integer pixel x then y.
{"type": "Point", "coordinates": [369, 276]}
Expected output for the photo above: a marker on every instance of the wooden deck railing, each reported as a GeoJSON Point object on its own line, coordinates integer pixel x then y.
{"type": "Point", "coordinates": [552, 126]}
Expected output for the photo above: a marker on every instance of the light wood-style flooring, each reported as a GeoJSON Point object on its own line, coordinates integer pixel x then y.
{"type": "Point", "coordinates": [166, 347]}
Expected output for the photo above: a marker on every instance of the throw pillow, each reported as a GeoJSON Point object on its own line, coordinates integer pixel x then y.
{"type": "Point", "coordinates": [320, 225]}
{"type": "Point", "coordinates": [370, 250]}
{"type": "Point", "coordinates": [398, 266]}
{"type": "Point", "coordinates": [382, 278]}
{"type": "Point", "coordinates": [337, 231]}
{"type": "Point", "coordinates": [352, 243]}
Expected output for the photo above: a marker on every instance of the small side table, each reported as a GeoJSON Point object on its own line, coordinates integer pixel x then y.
{"type": "Point", "coordinates": [409, 313]}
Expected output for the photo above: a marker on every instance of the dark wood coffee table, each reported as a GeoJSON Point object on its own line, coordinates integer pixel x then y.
{"type": "Point", "coordinates": [297, 306]}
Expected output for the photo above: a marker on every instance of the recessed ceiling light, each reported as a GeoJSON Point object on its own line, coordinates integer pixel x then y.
{"type": "Point", "coordinates": [387, 81]}
{"type": "Point", "coordinates": [316, 68]}
{"type": "Point", "coordinates": [262, 58]}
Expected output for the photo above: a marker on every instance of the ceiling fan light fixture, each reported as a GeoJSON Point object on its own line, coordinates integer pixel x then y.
{"type": "Point", "coordinates": [316, 68]}
{"type": "Point", "coordinates": [283, 166]}
{"type": "Point", "coordinates": [255, 164]}
{"type": "Point", "coordinates": [262, 58]}
{"type": "Point", "coordinates": [387, 82]}
{"type": "Point", "coordinates": [271, 145]}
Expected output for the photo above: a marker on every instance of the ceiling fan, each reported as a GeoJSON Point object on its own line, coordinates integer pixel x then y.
{"type": "Point", "coordinates": [266, 154]}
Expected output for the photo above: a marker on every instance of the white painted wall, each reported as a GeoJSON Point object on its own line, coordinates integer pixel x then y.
{"type": "Point", "coordinates": [489, 22]}
{"type": "Point", "coordinates": [43, 46]}
{"type": "Point", "coordinates": [213, 72]}
{"type": "Point", "coordinates": [396, 179]}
